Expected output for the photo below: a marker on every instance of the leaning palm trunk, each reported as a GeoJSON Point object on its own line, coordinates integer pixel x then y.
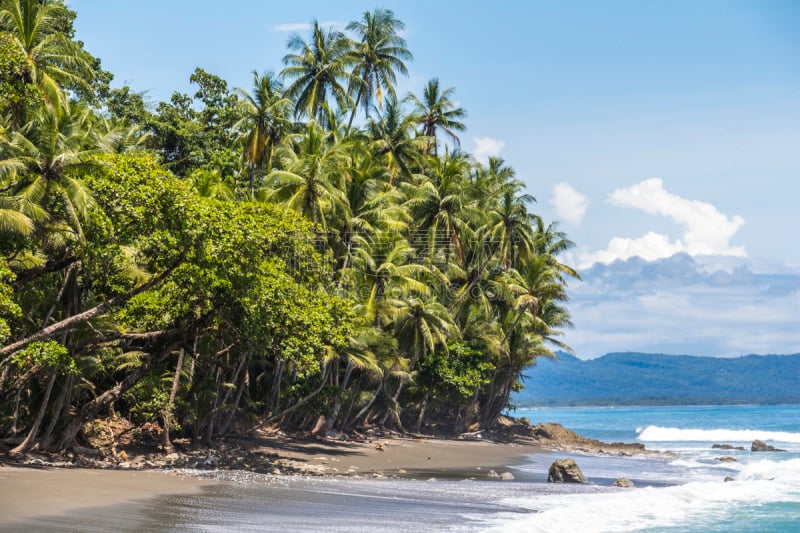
{"type": "Point", "coordinates": [25, 444]}
{"type": "Point", "coordinates": [166, 443]}
{"type": "Point", "coordinates": [366, 408]}
{"type": "Point", "coordinates": [56, 415]}
{"type": "Point", "coordinates": [395, 396]}
{"type": "Point", "coordinates": [337, 407]}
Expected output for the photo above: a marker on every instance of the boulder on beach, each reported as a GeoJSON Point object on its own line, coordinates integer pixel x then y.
{"type": "Point", "coordinates": [759, 446]}
{"type": "Point", "coordinates": [565, 471]}
{"type": "Point", "coordinates": [624, 483]}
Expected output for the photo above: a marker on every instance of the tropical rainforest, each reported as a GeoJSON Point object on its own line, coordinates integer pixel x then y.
{"type": "Point", "coordinates": [313, 252]}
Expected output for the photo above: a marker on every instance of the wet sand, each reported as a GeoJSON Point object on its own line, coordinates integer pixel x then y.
{"type": "Point", "coordinates": [394, 455]}
{"type": "Point", "coordinates": [29, 492]}
{"type": "Point", "coordinates": [33, 492]}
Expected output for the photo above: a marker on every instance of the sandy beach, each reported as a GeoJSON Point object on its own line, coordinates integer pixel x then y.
{"type": "Point", "coordinates": [31, 492]}
{"type": "Point", "coordinates": [28, 492]}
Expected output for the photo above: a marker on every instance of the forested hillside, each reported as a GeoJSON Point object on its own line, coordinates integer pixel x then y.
{"type": "Point", "coordinates": [315, 251]}
{"type": "Point", "coordinates": [658, 379]}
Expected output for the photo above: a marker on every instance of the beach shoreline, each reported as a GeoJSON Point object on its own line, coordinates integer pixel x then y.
{"type": "Point", "coordinates": [41, 484]}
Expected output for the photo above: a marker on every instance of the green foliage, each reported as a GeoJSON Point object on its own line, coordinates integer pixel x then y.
{"type": "Point", "coordinates": [357, 272]}
{"type": "Point", "coordinates": [15, 90]}
{"type": "Point", "coordinates": [455, 375]}
{"type": "Point", "coordinates": [50, 355]}
{"type": "Point", "coordinates": [8, 307]}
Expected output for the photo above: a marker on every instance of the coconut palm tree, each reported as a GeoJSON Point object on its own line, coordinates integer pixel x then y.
{"type": "Point", "coordinates": [265, 123]}
{"type": "Point", "coordinates": [379, 54]}
{"type": "Point", "coordinates": [384, 275]}
{"type": "Point", "coordinates": [53, 60]}
{"type": "Point", "coordinates": [317, 71]}
{"type": "Point", "coordinates": [312, 182]}
{"type": "Point", "coordinates": [441, 208]}
{"type": "Point", "coordinates": [391, 138]}
{"type": "Point", "coordinates": [437, 111]}
{"type": "Point", "coordinates": [48, 157]}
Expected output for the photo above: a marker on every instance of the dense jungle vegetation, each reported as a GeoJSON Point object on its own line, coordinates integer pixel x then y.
{"type": "Point", "coordinates": [313, 252]}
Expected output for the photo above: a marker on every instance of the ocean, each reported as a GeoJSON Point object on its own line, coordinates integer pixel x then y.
{"type": "Point", "coordinates": [685, 493]}
{"type": "Point", "coordinates": [680, 493]}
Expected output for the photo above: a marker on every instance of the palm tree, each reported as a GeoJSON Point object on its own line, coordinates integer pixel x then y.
{"type": "Point", "coordinates": [49, 155]}
{"type": "Point", "coordinates": [379, 54]}
{"type": "Point", "coordinates": [53, 60]}
{"type": "Point", "coordinates": [391, 138]}
{"type": "Point", "coordinates": [437, 111]}
{"type": "Point", "coordinates": [312, 183]}
{"type": "Point", "coordinates": [441, 209]}
{"type": "Point", "coordinates": [317, 71]}
{"type": "Point", "coordinates": [511, 224]}
{"type": "Point", "coordinates": [265, 122]}
{"type": "Point", "coordinates": [383, 274]}
{"type": "Point", "coordinates": [550, 242]}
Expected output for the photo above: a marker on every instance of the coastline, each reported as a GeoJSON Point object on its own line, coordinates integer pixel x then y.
{"type": "Point", "coordinates": [28, 492]}
{"type": "Point", "coordinates": [42, 485]}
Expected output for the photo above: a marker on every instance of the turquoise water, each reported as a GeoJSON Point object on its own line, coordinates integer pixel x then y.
{"type": "Point", "coordinates": [683, 493]}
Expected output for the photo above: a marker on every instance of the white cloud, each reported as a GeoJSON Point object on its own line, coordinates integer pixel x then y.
{"type": "Point", "coordinates": [486, 147]}
{"type": "Point", "coordinates": [570, 205]}
{"type": "Point", "coordinates": [297, 26]}
{"type": "Point", "coordinates": [674, 305]}
{"type": "Point", "coordinates": [706, 231]}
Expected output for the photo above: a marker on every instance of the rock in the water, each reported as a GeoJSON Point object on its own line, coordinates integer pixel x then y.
{"type": "Point", "coordinates": [726, 459]}
{"type": "Point", "coordinates": [507, 476]}
{"type": "Point", "coordinates": [565, 471]}
{"type": "Point", "coordinates": [624, 483]}
{"type": "Point", "coordinates": [726, 447]}
{"type": "Point", "coordinates": [759, 446]}
{"type": "Point", "coordinates": [729, 478]}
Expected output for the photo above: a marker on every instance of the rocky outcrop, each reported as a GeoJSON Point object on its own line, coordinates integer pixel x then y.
{"type": "Point", "coordinates": [624, 482]}
{"type": "Point", "coordinates": [726, 459]}
{"type": "Point", "coordinates": [759, 446]}
{"type": "Point", "coordinates": [558, 435]}
{"type": "Point", "coordinates": [726, 447]}
{"type": "Point", "coordinates": [729, 478]}
{"type": "Point", "coordinates": [565, 471]}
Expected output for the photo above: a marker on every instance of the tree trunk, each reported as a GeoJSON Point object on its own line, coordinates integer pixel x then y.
{"type": "Point", "coordinates": [364, 410]}
{"type": "Point", "coordinates": [232, 412]}
{"type": "Point", "coordinates": [395, 396]}
{"type": "Point", "coordinates": [338, 405]}
{"type": "Point", "coordinates": [166, 443]}
{"type": "Point", "coordinates": [421, 414]}
{"type": "Point", "coordinates": [302, 401]}
{"type": "Point", "coordinates": [25, 444]}
{"type": "Point", "coordinates": [80, 318]}
{"type": "Point", "coordinates": [91, 409]}
{"type": "Point", "coordinates": [208, 439]}
{"type": "Point", "coordinates": [56, 414]}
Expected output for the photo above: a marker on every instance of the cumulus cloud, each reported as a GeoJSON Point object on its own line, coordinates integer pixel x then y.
{"type": "Point", "coordinates": [706, 231]}
{"type": "Point", "coordinates": [674, 305]}
{"type": "Point", "coordinates": [297, 26]}
{"type": "Point", "coordinates": [570, 205]}
{"type": "Point", "coordinates": [486, 147]}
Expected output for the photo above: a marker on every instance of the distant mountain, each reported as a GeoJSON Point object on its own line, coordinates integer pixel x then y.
{"type": "Point", "coordinates": [658, 379]}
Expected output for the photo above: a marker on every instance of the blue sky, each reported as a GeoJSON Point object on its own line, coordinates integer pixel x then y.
{"type": "Point", "coordinates": [645, 128]}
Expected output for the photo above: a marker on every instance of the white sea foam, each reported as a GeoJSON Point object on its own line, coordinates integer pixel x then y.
{"type": "Point", "coordinates": [635, 509]}
{"type": "Point", "coordinates": [665, 434]}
